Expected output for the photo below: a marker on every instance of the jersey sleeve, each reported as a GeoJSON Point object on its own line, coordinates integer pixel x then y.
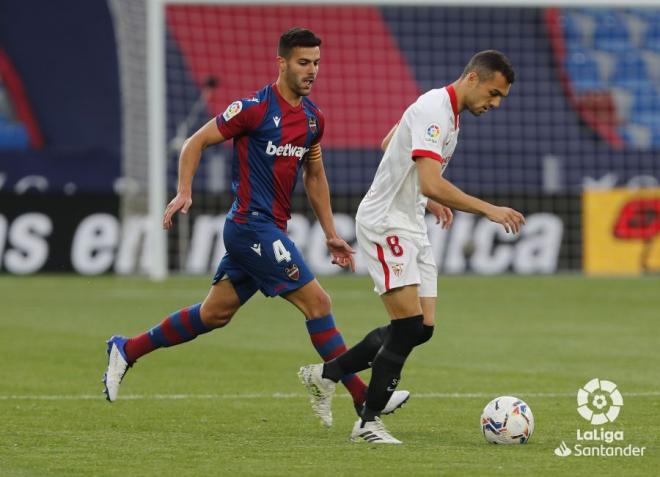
{"type": "Point", "coordinates": [240, 117]}
{"type": "Point", "coordinates": [429, 130]}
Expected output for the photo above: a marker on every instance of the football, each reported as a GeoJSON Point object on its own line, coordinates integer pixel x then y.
{"type": "Point", "coordinates": [507, 420]}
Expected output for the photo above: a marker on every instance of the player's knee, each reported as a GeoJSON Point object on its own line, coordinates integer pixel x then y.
{"type": "Point", "coordinates": [217, 318]}
{"type": "Point", "coordinates": [321, 304]}
{"type": "Point", "coordinates": [425, 335]}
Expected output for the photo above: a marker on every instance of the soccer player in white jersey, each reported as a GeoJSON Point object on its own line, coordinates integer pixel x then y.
{"type": "Point", "coordinates": [391, 230]}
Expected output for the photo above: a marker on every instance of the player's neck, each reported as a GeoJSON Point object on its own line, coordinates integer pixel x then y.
{"type": "Point", "coordinates": [459, 88]}
{"type": "Point", "coordinates": [289, 96]}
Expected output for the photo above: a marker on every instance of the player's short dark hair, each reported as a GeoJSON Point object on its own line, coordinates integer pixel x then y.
{"type": "Point", "coordinates": [296, 37]}
{"type": "Point", "coordinates": [487, 62]}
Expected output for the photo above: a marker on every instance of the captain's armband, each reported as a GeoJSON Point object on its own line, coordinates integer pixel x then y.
{"type": "Point", "coordinates": [314, 153]}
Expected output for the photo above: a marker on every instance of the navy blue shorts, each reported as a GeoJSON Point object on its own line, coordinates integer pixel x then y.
{"type": "Point", "coordinates": [260, 256]}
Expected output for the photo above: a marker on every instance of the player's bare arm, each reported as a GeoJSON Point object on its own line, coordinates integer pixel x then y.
{"type": "Point", "coordinates": [318, 193]}
{"type": "Point", "coordinates": [191, 154]}
{"type": "Point", "coordinates": [433, 185]}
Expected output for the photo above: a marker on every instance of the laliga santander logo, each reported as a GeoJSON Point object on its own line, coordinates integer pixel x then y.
{"type": "Point", "coordinates": [433, 133]}
{"type": "Point", "coordinates": [232, 110]}
{"type": "Point", "coordinates": [599, 401]}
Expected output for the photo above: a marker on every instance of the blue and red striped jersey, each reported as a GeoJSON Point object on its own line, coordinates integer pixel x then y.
{"type": "Point", "coordinates": [271, 140]}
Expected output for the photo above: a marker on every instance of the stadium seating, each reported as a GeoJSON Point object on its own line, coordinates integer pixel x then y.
{"type": "Point", "coordinates": [630, 71]}
{"type": "Point", "coordinates": [652, 36]}
{"type": "Point", "coordinates": [66, 73]}
{"type": "Point", "coordinates": [617, 51]}
{"type": "Point", "coordinates": [573, 30]}
{"type": "Point", "coordinates": [608, 57]}
{"type": "Point", "coordinates": [583, 69]}
{"type": "Point", "coordinates": [610, 33]}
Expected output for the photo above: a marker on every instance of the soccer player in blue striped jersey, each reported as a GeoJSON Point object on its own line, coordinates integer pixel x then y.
{"type": "Point", "coordinates": [276, 133]}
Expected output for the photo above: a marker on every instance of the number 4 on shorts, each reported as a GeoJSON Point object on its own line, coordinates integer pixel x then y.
{"type": "Point", "coordinates": [281, 253]}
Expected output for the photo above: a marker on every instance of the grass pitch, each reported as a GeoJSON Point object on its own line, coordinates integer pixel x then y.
{"type": "Point", "coordinates": [229, 403]}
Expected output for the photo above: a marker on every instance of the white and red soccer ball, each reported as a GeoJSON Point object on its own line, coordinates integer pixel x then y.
{"type": "Point", "coordinates": [507, 420]}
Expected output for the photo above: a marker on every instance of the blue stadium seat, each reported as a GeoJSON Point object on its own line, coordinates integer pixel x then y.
{"type": "Point", "coordinates": [13, 136]}
{"type": "Point", "coordinates": [651, 39]}
{"type": "Point", "coordinates": [583, 71]}
{"type": "Point", "coordinates": [631, 72]}
{"type": "Point", "coordinates": [573, 35]}
{"type": "Point", "coordinates": [650, 15]}
{"type": "Point", "coordinates": [646, 107]}
{"type": "Point", "coordinates": [611, 33]}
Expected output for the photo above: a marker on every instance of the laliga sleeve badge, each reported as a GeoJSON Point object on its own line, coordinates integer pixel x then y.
{"type": "Point", "coordinates": [293, 272]}
{"type": "Point", "coordinates": [232, 110]}
{"type": "Point", "coordinates": [432, 134]}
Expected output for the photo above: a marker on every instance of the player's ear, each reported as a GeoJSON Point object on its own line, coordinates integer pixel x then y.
{"type": "Point", "coordinates": [281, 63]}
{"type": "Point", "coordinates": [473, 78]}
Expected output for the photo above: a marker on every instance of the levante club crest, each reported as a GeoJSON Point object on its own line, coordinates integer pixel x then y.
{"type": "Point", "coordinates": [312, 125]}
{"type": "Point", "coordinates": [293, 272]}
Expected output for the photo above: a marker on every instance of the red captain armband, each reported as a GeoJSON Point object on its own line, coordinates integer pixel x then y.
{"type": "Point", "coordinates": [424, 153]}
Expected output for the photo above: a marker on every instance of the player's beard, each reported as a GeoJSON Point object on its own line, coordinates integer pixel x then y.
{"type": "Point", "coordinates": [295, 83]}
{"type": "Point", "coordinates": [478, 111]}
{"type": "Point", "coordinates": [475, 103]}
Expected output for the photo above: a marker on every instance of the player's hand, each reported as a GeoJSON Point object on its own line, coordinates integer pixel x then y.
{"type": "Point", "coordinates": [510, 219]}
{"type": "Point", "coordinates": [180, 203]}
{"type": "Point", "coordinates": [341, 252]}
{"type": "Point", "coordinates": [441, 213]}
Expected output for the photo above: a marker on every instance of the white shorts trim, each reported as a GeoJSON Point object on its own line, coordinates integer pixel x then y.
{"type": "Point", "coordinates": [395, 260]}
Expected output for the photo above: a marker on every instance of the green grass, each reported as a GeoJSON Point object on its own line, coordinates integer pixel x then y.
{"type": "Point", "coordinates": [539, 338]}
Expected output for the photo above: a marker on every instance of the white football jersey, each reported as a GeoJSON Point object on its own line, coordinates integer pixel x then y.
{"type": "Point", "coordinates": [428, 128]}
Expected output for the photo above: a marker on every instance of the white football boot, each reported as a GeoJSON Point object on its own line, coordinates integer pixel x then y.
{"type": "Point", "coordinates": [397, 400]}
{"type": "Point", "coordinates": [117, 367]}
{"type": "Point", "coordinates": [373, 432]}
{"type": "Point", "coordinates": [320, 391]}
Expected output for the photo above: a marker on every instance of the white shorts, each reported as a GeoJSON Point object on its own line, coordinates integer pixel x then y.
{"type": "Point", "coordinates": [395, 261]}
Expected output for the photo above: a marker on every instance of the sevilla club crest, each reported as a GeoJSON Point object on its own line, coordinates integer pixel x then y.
{"type": "Point", "coordinates": [397, 269]}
